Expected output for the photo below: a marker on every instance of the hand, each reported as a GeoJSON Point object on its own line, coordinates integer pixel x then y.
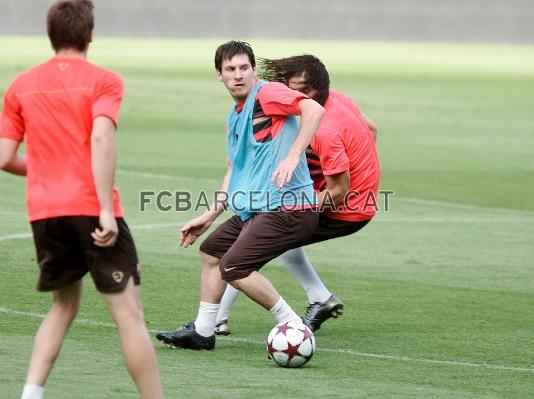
{"type": "Point", "coordinates": [284, 171]}
{"type": "Point", "coordinates": [193, 229]}
{"type": "Point", "coordinates": [106, 235]}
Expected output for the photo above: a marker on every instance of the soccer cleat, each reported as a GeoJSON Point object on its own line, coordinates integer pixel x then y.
{"type": "Point", "coordinates": [318, 312]}
{"type": "Point", "coordinates": [222, 327]}
{"type": "Point", "coordinates": [187, 338]}
{"type": "Point", "coordinates": [306, 323]}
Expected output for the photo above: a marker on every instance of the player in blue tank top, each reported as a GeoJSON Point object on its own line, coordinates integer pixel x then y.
{"type": "Point", "coordinates": [268, 187]}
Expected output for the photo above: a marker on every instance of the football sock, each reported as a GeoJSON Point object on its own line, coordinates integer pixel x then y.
{"type": "Point", "coordinates": [205, 321]}
{"type": "Point", "coordinates": [227, 302]}
{"type": "Point", "coordinates": [31, 391]}
{"type": "Point", "coordinates": [297, 263]}
{"type": "Point", "coordinates": [283, 312]}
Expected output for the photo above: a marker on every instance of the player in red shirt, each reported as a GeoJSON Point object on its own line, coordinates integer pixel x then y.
{"type": "Point", "coordinates": [66, 110]}
{"type": "Point", "coordinates": [345, 169]}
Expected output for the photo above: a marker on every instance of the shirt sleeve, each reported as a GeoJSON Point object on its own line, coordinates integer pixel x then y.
{"type": "Point", "coordinates": [328, 144]}
{"type": "Point", "coordinates": [108, 98]}
{"type": "Point", "coordinates": [278, 99]}
{"type": "Point", "coordinates": [11, 121]}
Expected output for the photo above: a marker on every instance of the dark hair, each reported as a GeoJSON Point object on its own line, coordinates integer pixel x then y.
{"type": "Point", "coordinates": [70, 23]}
{"type": "Point", "coordinates": [230, 49]}
{"type": "Point", "coordinates": [314, 71]}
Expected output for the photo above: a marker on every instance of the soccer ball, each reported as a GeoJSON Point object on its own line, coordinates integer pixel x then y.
{"type": "Point", "coordinates": [290, 344]}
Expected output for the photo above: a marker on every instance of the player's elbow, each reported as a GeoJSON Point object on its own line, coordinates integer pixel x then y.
{"type": "Point", "coordinates": [103, 130]}
{"type": "Point", "coordinates": [312, 107]}
{"type": "Point", "coordinates": [319, 110]}
{"type": "Point", "coordinates": [103, 139]}
{"type": "Point", "coordinates": [5, 160]}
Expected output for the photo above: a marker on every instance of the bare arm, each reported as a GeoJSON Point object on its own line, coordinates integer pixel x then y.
{"type": "Point", "coordinates": [310, 117]}
{"type": "Point", "coordinates": [104, 159]}
{"type": "Point", "coordinates": [371, 125]}
{"type": "Point", "coordinates": [219, 206]}
{"type": "Point", "coordinates": [337, 187]}
{"type": "Point", "coordinates": [10, 159]}
{"type": "Point", "coordinates": [198, 226]}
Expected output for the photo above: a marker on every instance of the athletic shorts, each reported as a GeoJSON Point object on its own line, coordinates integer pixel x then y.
{"type": "Point", "coordinates": [66, 252]}
{"type": "Point", "coordinates": [244, 247]}
{"type": "Point", "coordinates": [329, 228]}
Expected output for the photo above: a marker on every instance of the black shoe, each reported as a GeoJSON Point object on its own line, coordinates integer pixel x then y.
{"type": "Point", "coordinates": [186, 337]}
{"type": "Point", "coordinates": [222, 327]}
{"type": "Point", "coordinates": [318, 312]}
{"type": "Point", "coordinates": [306, 323]}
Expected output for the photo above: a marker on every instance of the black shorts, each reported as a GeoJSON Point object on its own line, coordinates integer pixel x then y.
{"type": "Point", "coordinates": [244, 247]}
{"type": "Point", "coordinates": [329, 228]}
{"type": "Point", "coordinates": [66, 252]}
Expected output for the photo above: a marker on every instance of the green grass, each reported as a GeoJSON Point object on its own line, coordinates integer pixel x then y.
{"type": "Point", "coordinates": [438, 291]}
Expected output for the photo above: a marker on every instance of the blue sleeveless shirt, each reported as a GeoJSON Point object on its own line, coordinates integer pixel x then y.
{"type": "Point", "coordinates": [253, 163]}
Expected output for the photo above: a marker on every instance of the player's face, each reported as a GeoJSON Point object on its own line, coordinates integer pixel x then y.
{"type": "Point", "coordinates": [300, 83]}
{"type": "Point", "coordinates": [238, 76]}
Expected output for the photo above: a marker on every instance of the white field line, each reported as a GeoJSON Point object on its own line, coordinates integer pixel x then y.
{"type": "Point", "coordinates": [17, 236]}
{"type": "Point", "coordinates": [458, 205]}
{"type": "Point", "coordinates": [160, 176]}
{"type": "Point", "coordinates": [349, 352]}
{"type": "Point", "coordinates": [445, 204]}
{"type": "Point", "coordinates": [381, 219]}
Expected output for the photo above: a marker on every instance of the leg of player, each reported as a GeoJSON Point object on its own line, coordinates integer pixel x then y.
{"type": "Point", "coordinates": [49, 338]}
{"type": "Point", "coordinates": [222, 326]}
{"type": "Point", "coordinates": [297, 263]}
{"type": "Point", "coordinates": [200, 334]}
{"type": "Point", "coordinates": [322, 303]}
{"type": "Point", "coordinates": [258, 288]}
{"type": "Point", "coordinates": [211, 291]}
{"type": "Point", "coordinates": [139, 355]}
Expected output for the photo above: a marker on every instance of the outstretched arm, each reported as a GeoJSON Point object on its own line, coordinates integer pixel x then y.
{"type": "Point", "coordinates": [11, 160]}
{"type": "Point", "coordinates": [198, 226]}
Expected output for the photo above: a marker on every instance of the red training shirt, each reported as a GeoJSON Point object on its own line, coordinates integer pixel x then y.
{"type": "Point", "coordinates": [344, 142]}
{"type": "Point", "coordinates": [52, 107]}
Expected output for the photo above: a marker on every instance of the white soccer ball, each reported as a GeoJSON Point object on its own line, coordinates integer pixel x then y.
{"type": "Point", "coordinates": [290, 344]}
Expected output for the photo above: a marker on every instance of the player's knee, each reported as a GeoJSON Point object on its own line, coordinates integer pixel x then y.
{"type": "Point", "coordinates": [68, 309]}
{"type": "Point", "coordinates": [127, 314]}
{"type": "Point", "coordinates": [236, 284]}
{"type": "Point", "coordinates": [209, 260]}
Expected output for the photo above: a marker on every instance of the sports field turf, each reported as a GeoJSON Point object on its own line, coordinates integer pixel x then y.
{"type": "Point", "coordinates": [438, 292]}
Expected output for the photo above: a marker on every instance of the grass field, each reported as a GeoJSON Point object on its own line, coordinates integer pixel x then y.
{"type": "Point", "coordinates": [439, 291]}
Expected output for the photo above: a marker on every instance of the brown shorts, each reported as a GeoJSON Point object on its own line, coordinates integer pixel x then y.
{"type": "Point", "coordinates": [66, 252]}
{"type": "Point", "coordinates": [244, 247]}
{"type": "Point", "coordinates": [329, 228]}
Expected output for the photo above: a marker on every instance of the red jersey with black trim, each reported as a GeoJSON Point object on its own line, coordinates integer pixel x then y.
{"type": "Point", "coordinates": [52, 108]}
{"type": "Point", "coordinates": [274, 102]}
{"type": "Point", "coordinates": [344, 142]}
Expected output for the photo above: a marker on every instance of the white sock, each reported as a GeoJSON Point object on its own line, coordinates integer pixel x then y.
{"type": "Point", "coordinates": [227, 303]}
{"type": "Point", "coordinates": [296, 262]}
{"type": "Point", "coordinates": [31, 391]}
{"type": "Point", "coordinates": [283, 312]}
{"type": "Point", "coordinates": [205, 321]}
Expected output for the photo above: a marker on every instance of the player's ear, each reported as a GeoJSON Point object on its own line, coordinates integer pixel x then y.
{"type": "Point", "coordinates": [219, 76]}
{"type": "Point", "coordinates": [255, 72]}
